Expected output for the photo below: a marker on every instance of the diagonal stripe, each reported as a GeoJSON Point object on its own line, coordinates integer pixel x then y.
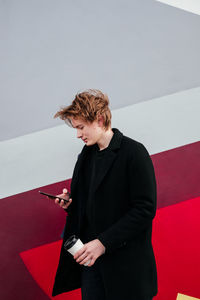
{"type": "Point", "coordinates": [177, 174]}
{"type": "Point", "coordinates": [187, 5]}
{"type": "Point", "coordinates": [42, 263]}
{"type": "Point", "coordinates": [177, 247]}
{"type": "Point", "coordinates": [49, 156]}
{"type": "Point", "coordinates": [184, 297]}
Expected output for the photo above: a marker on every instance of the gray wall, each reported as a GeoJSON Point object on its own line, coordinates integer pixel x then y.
{"type": "Point", "coordinates": [132, 50]}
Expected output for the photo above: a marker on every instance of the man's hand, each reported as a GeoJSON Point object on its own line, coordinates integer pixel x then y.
{"type": "Point", "coordinates": [91, 250]}
{"type": "Point", "coordinates": [65, 195]}
{"type": "Point", "coordinates": [61, 203]}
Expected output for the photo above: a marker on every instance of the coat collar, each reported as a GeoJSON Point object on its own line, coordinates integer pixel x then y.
{"type": "Point", "coordinates": [115, 141]}
{"type": "Point", "coordinates": [107, 161]}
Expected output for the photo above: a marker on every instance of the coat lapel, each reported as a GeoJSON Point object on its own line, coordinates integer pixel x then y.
{"type": "Point", "coordinates": [77, 168]}
{"type": "Point", "coordinates": [107, 161]}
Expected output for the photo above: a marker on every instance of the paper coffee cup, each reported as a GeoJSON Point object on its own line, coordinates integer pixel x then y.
{"type": "Point", "coordinates": [73, 244]}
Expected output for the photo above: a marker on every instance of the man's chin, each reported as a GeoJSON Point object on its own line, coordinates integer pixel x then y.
{"type": "Point", "coordinates": [86, 143]}
{"type": "Point", "coordinates": [89, 143]}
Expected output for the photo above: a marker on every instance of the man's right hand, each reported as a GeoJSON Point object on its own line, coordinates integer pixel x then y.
{"type": "Point", "coordinates": [65, 195]}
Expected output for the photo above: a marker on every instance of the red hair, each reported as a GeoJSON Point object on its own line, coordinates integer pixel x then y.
{"type": "Point", "coordinates": [87, 106]}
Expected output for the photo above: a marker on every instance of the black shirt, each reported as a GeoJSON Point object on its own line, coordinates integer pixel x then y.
{"type": "Point", "coordinates": [88, 232]}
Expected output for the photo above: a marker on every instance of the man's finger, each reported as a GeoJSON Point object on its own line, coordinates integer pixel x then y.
{"type": "Point", "coordinates": [57, 200]}
{"type": "Point", "coordinates": [79, 252]}
{"type": "Point", "coordinates": [81, 257]}
{"type": "Point", "coordinates": [92, 262]}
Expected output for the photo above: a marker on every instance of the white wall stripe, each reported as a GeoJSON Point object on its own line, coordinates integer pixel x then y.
{"type": "Point", "coordinates": [48, 156]}
{"type": "Point", "coordinates": [192, 6]}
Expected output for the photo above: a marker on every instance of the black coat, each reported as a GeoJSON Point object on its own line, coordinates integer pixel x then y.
{"type": "Point", "coordinates": [123, 210]}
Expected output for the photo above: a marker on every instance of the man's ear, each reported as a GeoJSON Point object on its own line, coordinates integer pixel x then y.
{"type": "Point", "coordinates": [101, 121]}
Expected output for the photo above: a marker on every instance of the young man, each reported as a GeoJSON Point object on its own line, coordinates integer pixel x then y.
{"type": "Point", "coordinates": [111, 208]}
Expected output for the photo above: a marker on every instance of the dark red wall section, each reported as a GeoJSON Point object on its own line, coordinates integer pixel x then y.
{"type": "Point", "coordinates": [29, 220]}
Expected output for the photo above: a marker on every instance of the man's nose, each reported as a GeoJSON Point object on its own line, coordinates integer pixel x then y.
{"type": "Point", "coordinates": [79, 134]}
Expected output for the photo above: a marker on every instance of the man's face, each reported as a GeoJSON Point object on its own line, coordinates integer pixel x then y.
{"type": "Point", "coordinates": [90, 133]}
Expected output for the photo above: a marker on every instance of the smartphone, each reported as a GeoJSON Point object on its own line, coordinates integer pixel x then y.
{"type": "Point", "coordinates": [54, 197]}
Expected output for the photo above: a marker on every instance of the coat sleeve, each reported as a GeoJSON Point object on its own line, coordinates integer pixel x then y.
{"type": "Point", "coordinates": [142, 193]}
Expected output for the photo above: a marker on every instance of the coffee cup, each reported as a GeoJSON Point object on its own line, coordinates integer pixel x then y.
{"type": "Point", "coordinates": [73, 244]}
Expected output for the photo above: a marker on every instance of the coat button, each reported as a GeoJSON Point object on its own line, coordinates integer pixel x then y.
{"type": "Point", "coordinates": [123, 244]}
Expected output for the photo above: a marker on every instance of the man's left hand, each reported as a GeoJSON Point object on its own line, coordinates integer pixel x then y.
{"type": "Point", "coordinates": [91, 250]}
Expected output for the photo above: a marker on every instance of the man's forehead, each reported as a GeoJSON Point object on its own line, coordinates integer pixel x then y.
{"type": "Point", "coordinates": [76, 122]}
